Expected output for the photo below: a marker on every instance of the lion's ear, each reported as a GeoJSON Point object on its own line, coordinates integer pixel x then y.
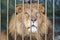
{"type": "Point", "coordinates": [41, 8]}
{"type": "Point", "coordinates": [19, 8]}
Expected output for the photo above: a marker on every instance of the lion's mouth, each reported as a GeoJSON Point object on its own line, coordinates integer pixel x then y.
{"type": "Point", "coordinates": [33, 28]}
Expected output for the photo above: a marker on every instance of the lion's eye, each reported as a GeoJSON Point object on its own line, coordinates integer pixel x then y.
{"type": "Point", "coordinates": [16, 13]}
{"type": "Point", "coordinates": [26, 13]}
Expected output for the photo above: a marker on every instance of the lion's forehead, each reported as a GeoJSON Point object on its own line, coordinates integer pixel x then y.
{"type": "Point", "coordinates": [34, 6]}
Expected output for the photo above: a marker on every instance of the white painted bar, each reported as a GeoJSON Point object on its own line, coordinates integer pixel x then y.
{"type": "Point", "coordinates": [0, 19]}
{"type": "Point", "coordinates": [7, 17]}
{"type": "Point", "coordinates": [15, 22]}
{"type": "Point", "coordinates": [23, 20]}
{"type": "Point", "coordinates": [53, 17]}
{"type": "Point", "coordinates": [45, 15]}
{"type": "Point", "coordinates": [38, 18]}
{"type": "Point", "coordinates": [30, 19]}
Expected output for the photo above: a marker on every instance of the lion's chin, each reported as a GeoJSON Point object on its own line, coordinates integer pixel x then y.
{"type": "Point", "coordinates": [32, 29]}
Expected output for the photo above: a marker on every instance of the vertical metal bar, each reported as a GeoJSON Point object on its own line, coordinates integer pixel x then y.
{"type": "Point", "coordinates": [53, 17]}
{"type": "Point", "coordinates": [45, 18]}
{"type": "Point", "coordinates": [23, 20]}
{"type": "Point", "coordinates": [38, 20]}
{"type": "Point", "coordinates": [7, 16]}
{"type": "Point", "coordinates": [15, 21]}
{"type": "Point", "coordinates": [30, 19]}
{"type": "Point", "coordinates": [0, 19]}
{"type": "Point", "coordinates": [38, 6]}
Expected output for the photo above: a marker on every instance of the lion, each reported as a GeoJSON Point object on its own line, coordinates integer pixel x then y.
{"type": "Point", "coordinates": [30, 22]}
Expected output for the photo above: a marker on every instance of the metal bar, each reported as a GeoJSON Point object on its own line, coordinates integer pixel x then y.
{"type": "Point", "coordinates": [38, 20]}
{"type": "Point", "coordinates": [7, 16]}
{"type": "Point", "coordinates": [15, 21]}
{"type": "Point", "coordinates": [53, 17]}
{"type": "Point", "coordinates": [0, 19]}
{"type": "Point", "coordinates": [30, 19]}
{"type": "Point", "coordinates": [23, 20]}
{"type": "Point", "coordinates": [38, 6]}
{"type": "Point", "coordinates": [45, 18]}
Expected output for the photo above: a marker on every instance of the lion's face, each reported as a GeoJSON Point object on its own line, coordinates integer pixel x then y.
{"type": "Point", "coordinates": [31, 19]}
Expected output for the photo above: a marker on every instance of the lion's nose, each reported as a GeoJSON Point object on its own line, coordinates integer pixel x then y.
{"type": "Point", "coordinates": [33, 19]}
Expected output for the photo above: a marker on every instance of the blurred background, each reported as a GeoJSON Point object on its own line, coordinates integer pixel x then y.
{"type": "Point", "coordinates": [49, 11]}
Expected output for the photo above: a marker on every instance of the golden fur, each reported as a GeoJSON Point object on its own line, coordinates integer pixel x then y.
{"type": "Point", "coordinates": [3, 36]}
{"type": "Point", "coordinates": [42, 23]}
